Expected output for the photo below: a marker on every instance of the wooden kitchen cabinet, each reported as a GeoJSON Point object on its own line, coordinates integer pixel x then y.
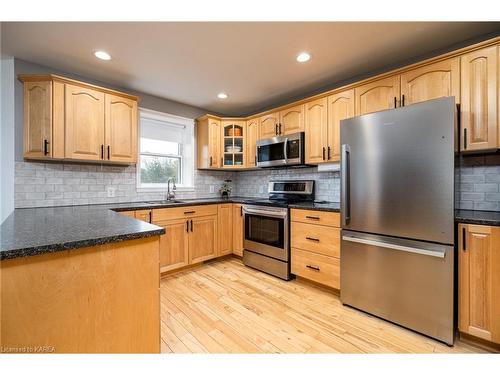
{"type": "Point", "coordinates": [130, 214]}
{"type": "Point", "coordinates": [479, 281]}
{"type": "Point", "coordinates": [377, 96]}
{"type": "Point", "coordinates": [174, 244]}
{"type": "Point", "coordinates": [143, 215]}
{"type": "Point", "coordinates": [340, 107]}
{"type": "Point", "coordinates": [71, 120]}
{"type": "Point", "coordinates": [238, 229]}
{"type": "Point", "coordinates": [225, 227]}
{"type": "Point", "coordinates": [431, 82]}
{"type": "Point", "coordinates": [479, 100]}
{"type": "Point", "coordinates": [233, 143]}
{"type": "Point", "coordinates": [208, 140]}
{"type": "Point", "coordinates": [269, 125]}
{"type": "Point", "coordinates": [202, 238]}
{"type": "Point", "coordinates": [291, 120]}
{"type": "Point", "coordinates": [120, 129]}
{"type": "Point", "coordinates": [252, 135]}
{"type": "Point", "coordinates": [316, 136]}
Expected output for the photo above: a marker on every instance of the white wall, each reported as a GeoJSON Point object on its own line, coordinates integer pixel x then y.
{"type": "Point", "coordinates": [7, 137]}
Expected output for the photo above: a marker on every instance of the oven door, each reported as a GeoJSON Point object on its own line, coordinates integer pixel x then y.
{"type": "Point", "coordinates": [266, 231]}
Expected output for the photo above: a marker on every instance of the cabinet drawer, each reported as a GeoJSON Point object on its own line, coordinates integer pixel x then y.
{"type": "Point", "coordinates": [183, 212]}
{"type": "Point", "coordinates": [316, 238]}
{"type": "Point", "coordinates": [319, 268]}
{"type": "Point", "coordinates": [127, 213]}
{"type": "Point", "coordinates": [143, 215]}
{"type": "Point", "coordinates": [331, 219]}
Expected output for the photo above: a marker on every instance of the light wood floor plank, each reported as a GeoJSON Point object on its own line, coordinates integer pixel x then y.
{"type": "Point", "coordinates": [225, 307]}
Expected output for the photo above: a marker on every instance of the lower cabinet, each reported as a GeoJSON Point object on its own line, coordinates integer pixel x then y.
{"type": "Point", "coordinates": [238, 229]}
{"type": "Point", "coordinates": [202, 239]}
{"type": "Point", "coordinates": [479, 281]}
{"type": "Point", "coordinates": [315, 246]}
{"type": "Point", "coordinates": [143, 215]}
{"type": "Point", "coordinates": [174, 244]}
{"type": "Point", "coordinates": [225, 222]}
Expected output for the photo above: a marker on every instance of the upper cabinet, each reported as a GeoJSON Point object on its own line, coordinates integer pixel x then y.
{"type": "Point", "coordinates": [377, 96]}
{"type": "Point", "coordinates": [431, 82]}
{"type": "Point", "coordinates": [340, 107]}
{"type": "Point", "coordinates": [291, 120]}
{"type": "Point", "coordinates": [208, 141]}
{"type": "Point", "coordinates": [479, 116]}
{"type": "Point", "coordinates": [234, 143]}
{"type": "Point", "coordinates": [269, 125]}
{"type": "Point", "coordinates": [251, 139]}
{"type": "Point", "coordinates": [67, 119]}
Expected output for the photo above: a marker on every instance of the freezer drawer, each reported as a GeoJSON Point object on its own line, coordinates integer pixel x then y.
{"type": "Point", "coordinates": [404, 281]}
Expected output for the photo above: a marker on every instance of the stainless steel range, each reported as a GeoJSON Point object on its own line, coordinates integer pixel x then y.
{"type": "Point", "coordinates": [267, 236]}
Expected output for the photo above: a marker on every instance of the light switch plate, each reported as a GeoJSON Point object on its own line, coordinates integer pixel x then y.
{"type": "Point", "coordinates": [111, 191]}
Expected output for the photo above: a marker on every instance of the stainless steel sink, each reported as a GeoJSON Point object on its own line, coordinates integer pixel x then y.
{"type": "Point", "coordinates": [164, 202]}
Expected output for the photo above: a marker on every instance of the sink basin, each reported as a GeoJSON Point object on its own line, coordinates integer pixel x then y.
{"type": "Point", "coordinates": [164, 202]}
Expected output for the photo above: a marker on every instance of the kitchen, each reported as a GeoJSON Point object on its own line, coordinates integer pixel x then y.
{"type": "Point", "coordinates": [361, 218]}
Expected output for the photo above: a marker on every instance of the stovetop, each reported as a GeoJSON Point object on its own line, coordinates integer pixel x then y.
{"type": "Point", "coordinates": [269, 202]}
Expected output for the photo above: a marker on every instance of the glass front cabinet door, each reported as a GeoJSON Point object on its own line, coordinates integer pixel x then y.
{"type": "Point", "coordinates": [233, 147]}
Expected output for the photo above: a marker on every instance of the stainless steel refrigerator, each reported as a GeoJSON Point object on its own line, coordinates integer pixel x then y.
{"type": "Point", "coordinates": [397, 203]}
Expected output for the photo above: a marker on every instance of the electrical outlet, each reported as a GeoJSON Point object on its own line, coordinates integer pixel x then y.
{"type": "Point", "coordinates": [261, 189]}
{"type": "Point", "coordinates": [212, 189]}
{"type": "Point", "coordinates": [111, 191]}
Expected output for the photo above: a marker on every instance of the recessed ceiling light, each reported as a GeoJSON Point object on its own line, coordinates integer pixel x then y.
{"type": "Point", "coordinates": [103, 55]}
{"type": "Point", "coordinates": [303, 57]}
{"type": "Point", "coordinates": [222, 95]}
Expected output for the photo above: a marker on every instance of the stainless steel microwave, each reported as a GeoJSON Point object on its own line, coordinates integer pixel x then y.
{"type": "Point", "coordinates": [281, 151]}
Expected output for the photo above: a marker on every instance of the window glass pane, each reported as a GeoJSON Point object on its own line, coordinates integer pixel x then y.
{"type": "Point", "coordinates": [158, 169]}
{"type": "Point", "coordinates": [156, 146]}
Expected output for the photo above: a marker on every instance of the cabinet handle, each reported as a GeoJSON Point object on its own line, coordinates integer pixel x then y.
{"type": "Point", "coordinates": [329, 153]}
{"type": "Point", "coordinates": [221, 162]}
{"type": "Point", "coordinates": [312, 239]}
{"type": "Point", "coordinates": [255, 159]}
{"type": "Point", "coordinates": [403, 100]}
{"type": "Point", "coordinates": [395, 102]}
{"type": "Point", "coordinates": [241, 210]}
{"type": "Point", "coordinates": [324, 150]}
{"type": "Point", "coordinates": [312, 217]}
{"type": "Point", "coordinates": [45, 147]}
{"type": "Point", "coordinates": [189, 212]}
{"type": "Point", "coordinates": [315, 268]}
{"type": "Point", "coordinates": [187, 226]}
{"type": "Point", "coordinates": [191, 225]}
{"type": "Point", "coordinates": [465, 138]}
{"type": "Point", "coordinates": [279, 129]}
{"type": "Point", "coordinates": [276, 130]}
{"type": "Point", "coordinates": [102, 151]}
{"type": "Point", "coordinates": [109, 152]}
{"type": "Point", "coordinates": [210, 161]}
{"type": "Point", "coordinates": [150, 216]}
{"type": "Point", "coordinates": [464, 239]}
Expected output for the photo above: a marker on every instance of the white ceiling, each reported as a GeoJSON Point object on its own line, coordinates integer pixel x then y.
{"type": "Point", "coordinates": [254, 63]}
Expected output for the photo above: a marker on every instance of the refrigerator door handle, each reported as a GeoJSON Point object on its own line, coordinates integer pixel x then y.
{"type": "Point", "coordinates": [408, 249]}
{"type": "Point", "coordinates": [345, 176]}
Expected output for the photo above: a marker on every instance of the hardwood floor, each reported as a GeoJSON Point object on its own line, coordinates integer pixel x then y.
{"type": "Point", "coordinates": [225, 307]}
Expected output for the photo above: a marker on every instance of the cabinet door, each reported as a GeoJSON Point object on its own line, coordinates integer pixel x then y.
{"type": "Point", "coordinates": [479, 281]}
{"type": "Point", "coordinates": [37, 119]}
{"type": "Point", "coordinates": [291, 120]}
{"type": "Point", "coordinates": [143, 215]}
{"type": "Point", "coordinates": [214, 143]}
{"type": "Point", "coordinates": [174, 244]}
{"type": "Point", "coordinates": [269, 125]}
{"type": "Point", "coordinates": [251, 138]}
{"type": "Point", "coordinates": [377, 96]}
{"type": "Point", "coordinates": [238, 231]}
{"type": "Point", "coordinates": [84, 123]}
{"type": "Point", "coordinates": [225, 226]}
{"type": "Point", "coordinates": [340, 107]}
{"type": "Point", "coordinates": [479, 118]}
{"type": "Point", "coordinates": [202, 239]}
{"type": "Point", "coordinates": [431, 82]}
{"type": "Point", "coordinates": [316, 137]}
{"type": "Point", "coordinates": [121, 129]}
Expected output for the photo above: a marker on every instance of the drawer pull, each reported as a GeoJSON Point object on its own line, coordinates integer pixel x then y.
{"type": "Point", "coordinates": [312, 239]}
{"type": "Point", "coordinates": [312, 217]}
{"type": "Point", "coordinates": [315, 268]}
{"type": "Point", "coordinates": [189, 212]}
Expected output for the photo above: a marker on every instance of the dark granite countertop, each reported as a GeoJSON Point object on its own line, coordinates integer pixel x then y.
{"type": "Point", "coordinates": [477, 217]}
{"type": "Point", "coordinates": [317, 206]}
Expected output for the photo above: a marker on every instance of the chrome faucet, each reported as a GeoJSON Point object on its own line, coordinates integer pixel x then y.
{"type": "Point", "coordinates": [171, 193]}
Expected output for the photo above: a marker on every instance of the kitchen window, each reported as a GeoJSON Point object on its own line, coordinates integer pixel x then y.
{"type": "Point", "coordinates": [166, 150]}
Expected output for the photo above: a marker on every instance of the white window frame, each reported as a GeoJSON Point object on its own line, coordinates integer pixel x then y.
{"type": "Point", "coordinates": [187, 150]}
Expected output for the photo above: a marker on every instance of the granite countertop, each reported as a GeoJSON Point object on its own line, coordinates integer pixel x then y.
{"type": "Point", "coordinates": [477, 217]}
{"type": "Point", "coordinates": [34, 231]}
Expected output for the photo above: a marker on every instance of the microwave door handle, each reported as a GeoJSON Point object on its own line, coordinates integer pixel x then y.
{"type": "Point", "coordinates": [285, 146]}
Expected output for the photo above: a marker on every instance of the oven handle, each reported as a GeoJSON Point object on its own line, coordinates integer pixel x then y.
{"type": "Point", "coordinates": [265, 212]}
